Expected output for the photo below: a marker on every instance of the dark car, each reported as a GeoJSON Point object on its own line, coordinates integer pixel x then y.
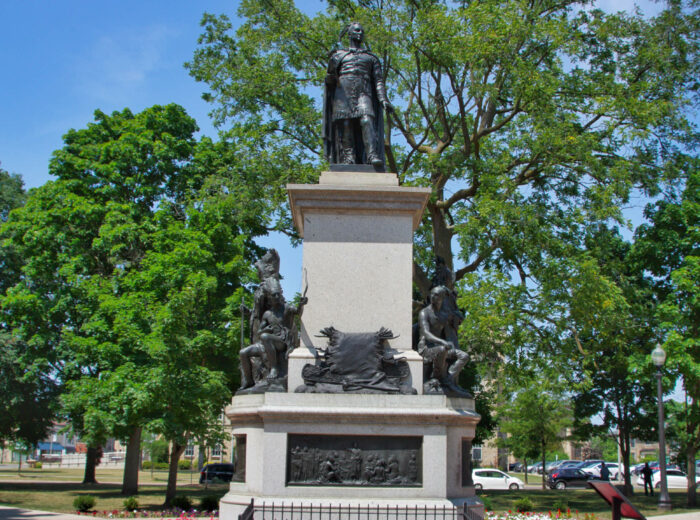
{"type": "Point", "coordinates": [568, 477]}
{"type": "Point", "coordinates": [516, 467]}
{"type": "Point", "coordinates": [222, 472]}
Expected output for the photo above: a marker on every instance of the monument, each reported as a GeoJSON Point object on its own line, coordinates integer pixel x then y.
{"type": "Point", "coordinates": [350, 411]}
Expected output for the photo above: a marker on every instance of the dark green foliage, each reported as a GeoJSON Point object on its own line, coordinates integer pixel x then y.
{"type": "Point", "coordinates": [147, 464]}
{"type": "Point", "coordinates": [159, 450]}
{"type": "Point", "coordinates": [84, 503]}
{"type": "Point", "coordinates": [209, 503]}
{"type": "Point", "coordinates": [182, 502]}
{"type": "Point", "coordinates": [28, 405]}
{"type": "Point", "coordinates": [131, 504]}
{"type": "Point", "coordinates": [523, 505]}
{"type": "Point", "coordinates": [184, 464]}
{"type": "Point", "coordinates": [560, 505]}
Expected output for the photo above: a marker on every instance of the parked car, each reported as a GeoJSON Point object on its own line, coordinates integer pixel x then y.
{"type": "Point", "coordinates": [535, 468]}
{"type": "Point", "coordinates": [568, 464]}
{"type": "Point", "coordinates": [489, 478]}
{"type": "Point", "coordinates": [568, 477]}
{"type": "Point", "coordinates": [595, 470]}
{"type": "Point", "coordinates": [588, 463]}
{"type": "Point", "coordinates": [675, 478]}
{"type": "Point", "coordinates": [516, 467]}
{"type": "Point", "coordinates": [220, 471]}
{"type": "Point", "coordinates": [549, 466]}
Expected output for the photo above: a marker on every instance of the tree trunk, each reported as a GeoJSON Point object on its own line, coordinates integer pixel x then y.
{"type": "Point", "coordinates": [130, 483]}
{"type": "Point", "coordinates": [92, 459]}
{"type": "Point", "coordinates": [624, 440]}
{"type": "Point", "coordinates": [544, 462]}
{"type": "Point", "coordinates": [691, 451]}
{"type": "Point", "coordinates": [525, 469]}
{"type": "Point", "coordinates": [175, 452]}
{"type": "Point", "coordinates": [202, 456]}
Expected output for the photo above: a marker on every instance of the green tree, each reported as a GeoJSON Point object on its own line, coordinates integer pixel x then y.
{"type": "Point", "coordinates": [530, 121]}
{"type": "Point", "coordinates": [612, 376]}
{"type": "Point", "coordinates": [668, 250]}
{"type": "Point", "coordinates": [527, 119]}
{"type": "Point", "coordinates": [127, 184]}
{"type": "Point", "coordinates": [28, 399]}
{"type": "Point", "coordinates": [535, 419]}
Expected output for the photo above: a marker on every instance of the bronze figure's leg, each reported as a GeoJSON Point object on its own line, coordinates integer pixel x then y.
{"type": "Point", "coordinates": [246, 366]}
{"type": "Point", "coordinates": [461, 359]}
{"type": "Point", "coordinates": [370, 139]}
{"type": "Point", "coordinates": [272, 345]}
{"type": "Point", "coordinates": [347, 142]}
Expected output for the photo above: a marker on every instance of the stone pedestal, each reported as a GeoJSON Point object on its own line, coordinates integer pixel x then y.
{"type": "Point", "coordinates": [407, 451]}
{"type": "Point", "coordinates": [442, 428]}
{"type": "Point", "coordinates": [358, 260]}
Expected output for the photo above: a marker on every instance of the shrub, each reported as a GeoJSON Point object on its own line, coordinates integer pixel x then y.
{"type": "Point", "coordinates": [160, 451]}
{"type": "Point", "coordinates": [209, 503]}
{"type": "Point", "coordinates": [560, 505]}
{"type": "Point", "coordinates": [131, 504]}
{"type": "Point", "coordinates": [37, 465]}
{"type": "Point", "coordinates": [182, 502]}
{"type": "Point", "coordinates": [147, 464]}
{"type": "Point", "coordinates": [524, 504]}
{"type": "Point", "coordinates": [184, 464]}
{"type": "Point", "coordinates": [488, 505]}
{"type": "Point", "coordinates": [84, 503]}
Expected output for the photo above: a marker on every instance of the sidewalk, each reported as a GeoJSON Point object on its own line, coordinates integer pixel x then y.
{"type": "Point", "coordinates": [695, 515]}
{"type": "Point", "coordinates": [14, 513]}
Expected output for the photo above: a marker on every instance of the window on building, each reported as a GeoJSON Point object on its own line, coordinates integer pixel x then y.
{"type": "Point", "coordinates": [633, 442]}
{"type": "Point", "coordinates": [189, 450]}
{"type": "Point", "coordinates": [216, 451]}
{"type": "Point", "coordinates": [476, 452]}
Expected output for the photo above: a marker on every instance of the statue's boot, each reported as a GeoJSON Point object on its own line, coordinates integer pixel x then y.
{"type": "Point", "coordinates": [347, 156]}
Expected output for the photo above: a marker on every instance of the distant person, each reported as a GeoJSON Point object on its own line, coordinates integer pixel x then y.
{"type": "Point", "coordinates": [646, 473]}
{"type": "Point", "coordinates": [604, 472]}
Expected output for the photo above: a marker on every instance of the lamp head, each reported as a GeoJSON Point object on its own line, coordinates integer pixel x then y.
{"type": "Point", "coordinates": [658, 356]}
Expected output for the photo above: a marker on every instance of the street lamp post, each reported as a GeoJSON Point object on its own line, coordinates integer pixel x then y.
{"type": "Point", "coordinates": [658, 356]}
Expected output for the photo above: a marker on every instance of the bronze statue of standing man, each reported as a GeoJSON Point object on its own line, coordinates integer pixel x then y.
{"type": "Point", "coordinates": [354, 104]}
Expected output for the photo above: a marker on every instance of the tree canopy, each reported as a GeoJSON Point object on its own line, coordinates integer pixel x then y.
{"type": "Point", "coordinates": [532, 122]}
{"type": "Point", "coordinates": [132, 271]}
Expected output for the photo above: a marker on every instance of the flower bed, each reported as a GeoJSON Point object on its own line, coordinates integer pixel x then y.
{"type": "Point", "coordinates": [549, 515]}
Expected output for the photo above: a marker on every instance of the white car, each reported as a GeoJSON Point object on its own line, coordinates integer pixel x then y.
{"type": "Point", "coordinates": [595, 470]}
{"type": "Point", "coordinates": [674, 479]}
{"type": "Point", "coordinates": [489, 478]}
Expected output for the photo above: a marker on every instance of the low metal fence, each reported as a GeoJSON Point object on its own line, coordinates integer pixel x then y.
{"type": "Point", "coordinates": [273, 511]}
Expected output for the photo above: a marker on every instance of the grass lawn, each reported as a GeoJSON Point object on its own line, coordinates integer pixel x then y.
{"type": "Point", "coordinates": [102, 474]}
{"type": "Point", "coordinates": [581, 500]}
{"type": "Point", "coordinates": [59, 496]}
